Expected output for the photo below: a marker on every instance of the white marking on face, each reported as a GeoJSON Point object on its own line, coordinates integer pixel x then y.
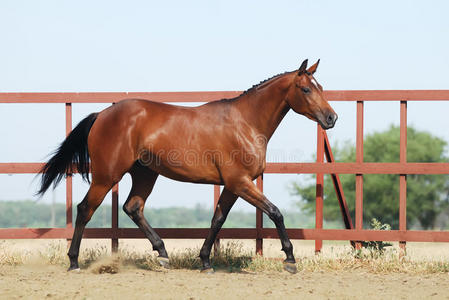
{"type": "Point", "coordinates": [315, 83]}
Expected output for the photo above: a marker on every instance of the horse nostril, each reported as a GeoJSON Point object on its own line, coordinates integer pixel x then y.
{"type": "Point", "coordinates": [330, 119]}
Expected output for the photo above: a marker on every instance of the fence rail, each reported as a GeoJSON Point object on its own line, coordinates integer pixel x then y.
{"type": "Point", "coordinates": [359, 168]}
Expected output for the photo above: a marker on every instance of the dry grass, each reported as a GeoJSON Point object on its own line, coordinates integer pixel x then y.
{"type": "Point", "coordinates": [232, 258]}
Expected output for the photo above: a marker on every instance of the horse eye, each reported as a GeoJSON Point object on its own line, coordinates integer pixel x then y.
{"type": "Point", "coordinates": [305, 90]}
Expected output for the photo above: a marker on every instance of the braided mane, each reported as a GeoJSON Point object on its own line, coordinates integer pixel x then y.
{"type": "Point", "coordinates": [254, 87]}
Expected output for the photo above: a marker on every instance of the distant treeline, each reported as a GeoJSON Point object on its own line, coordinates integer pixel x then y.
{"type": "Point", "coordinates": [14, 214]}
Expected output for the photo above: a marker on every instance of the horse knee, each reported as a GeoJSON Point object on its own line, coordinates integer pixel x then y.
{"type": "Point", "coordinates": [218, 221]}
{"type": "Point", "coordinates": [82, 208]}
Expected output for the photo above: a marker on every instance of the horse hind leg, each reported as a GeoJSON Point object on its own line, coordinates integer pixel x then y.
{"type": "Point", "coordinates": [86, 209]}
{"type": "Point", "coordinates": [143, 180]}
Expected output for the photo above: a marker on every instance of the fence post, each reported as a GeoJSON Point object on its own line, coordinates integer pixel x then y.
{"type": "Point", "coordinates": [259, 220]}
{"type": "Point", "coordinates": [403, 177]}
{"type": "Point", "coordinates": [216, 198]}
{"type": "Point", "coordinates": [319, 187]}
{"type": "Point", "coordinates": [114, 219]}
{"type": "Point", "coordinates": [68, 181]}
{"type": "Point", "coordinates": [359, 177]}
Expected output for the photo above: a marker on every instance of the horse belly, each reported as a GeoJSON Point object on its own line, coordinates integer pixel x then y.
{"type": "Point", "coordinates": [180, 167]}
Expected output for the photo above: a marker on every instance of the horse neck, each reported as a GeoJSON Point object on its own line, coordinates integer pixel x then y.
{"type": "Point", "coordinates": [265, 107]}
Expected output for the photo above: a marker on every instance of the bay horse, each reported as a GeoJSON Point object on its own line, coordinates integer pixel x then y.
{"type": "Point", "coordinates": [221, 142]}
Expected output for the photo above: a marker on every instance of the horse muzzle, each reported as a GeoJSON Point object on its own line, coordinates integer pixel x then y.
{"type": "Point", "coordinates": [328, 120]}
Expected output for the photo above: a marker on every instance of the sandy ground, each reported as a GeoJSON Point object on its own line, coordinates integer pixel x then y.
{"type": "Point", "coordinates": [28, 282]}
{"type": "Point", "coordinates": [38, 281]}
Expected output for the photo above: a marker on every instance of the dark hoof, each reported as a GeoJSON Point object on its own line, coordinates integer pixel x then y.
{"type": "Point", "coordinates": [73, 269]}
{"type": "Point", "coordinates": [208, 271]}
{"type": "Point", "coordinates": [164, 262]}
{"type": "Point", "coordinates": [290, 267]}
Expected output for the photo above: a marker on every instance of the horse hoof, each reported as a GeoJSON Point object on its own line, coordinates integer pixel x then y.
{"type": "Point", "coordinates": [208, 271]}
{"type": "Point", "coordinates": [164, 262]}
{"type": "Point", "coordinates": [74, 270]}
{"type": "Point", "coordinates": [290, 267]}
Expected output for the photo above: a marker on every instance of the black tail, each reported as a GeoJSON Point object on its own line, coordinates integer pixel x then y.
{"type": "Point", "coordinates": [72, 151]}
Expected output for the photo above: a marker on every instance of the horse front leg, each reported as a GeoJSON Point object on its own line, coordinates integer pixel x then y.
{"type": "Point", "coordinates": [248, 191]}
{"type": "Point", "coordinates": [224, 205]}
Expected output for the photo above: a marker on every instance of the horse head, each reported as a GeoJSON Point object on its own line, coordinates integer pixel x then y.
{"type": "Point", "coordinates": [305, 96]}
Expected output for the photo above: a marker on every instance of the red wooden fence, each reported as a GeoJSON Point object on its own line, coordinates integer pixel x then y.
{"type": "Point", "coordinates": [359, 168]}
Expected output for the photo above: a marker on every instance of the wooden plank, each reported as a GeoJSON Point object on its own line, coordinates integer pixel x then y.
{"type": "Point", "coordinates": [359, 176]}
{"type": "Point", "coordinates": [388, 95]}
{"type": "Point", "coordinates": [69, 181]}
{"type": "Point", "coordinates": [403, 177]}
{"type": "Point", "coordinates": [114, 218]}
{"type": "Point", "coordinates": [216, 198]}
{"type": "Point", "coordinates": [337, 186]}
{"type": "Point", "coordinates": [20, 168]}
{"type": "Point", "coordinates": [357, 168]}
{"type": "Point", "coordinates": [107, 97]}
{"type": "Point", "coordinates": [364, 235]}
{"type": "Point", "coordinates": [295, 168]}
{"type": "Point", "coordinates": [237, 233]}
{"type": "Point", "coordinates": [205, 96]}
{"type": "Point", "coordinates": [319, 193]}
{"type": "Point", "coordinates": [259, 220]}
{"type": "Point", "coordinates": [36, 233]}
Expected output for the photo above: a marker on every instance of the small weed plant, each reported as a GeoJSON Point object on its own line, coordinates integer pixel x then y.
{"type": "Point", "coordinates": [374, 249]}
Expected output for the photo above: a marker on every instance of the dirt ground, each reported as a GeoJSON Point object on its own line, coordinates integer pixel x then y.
{"type": "Point", "coordinates": [28, 282]}
{"type": "Point", "coordinates": [43, 281]}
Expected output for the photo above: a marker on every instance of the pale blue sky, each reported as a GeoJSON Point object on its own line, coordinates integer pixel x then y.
{"type": "Point", "coordinates": [59, 46]}
{"type": "Point", "coordinates": [220, 45]}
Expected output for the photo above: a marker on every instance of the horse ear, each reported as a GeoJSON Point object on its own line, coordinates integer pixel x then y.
{"type": "Point", "coordinates": [313, 68]}
{"type": "Point", "coordinates": [303, 67]}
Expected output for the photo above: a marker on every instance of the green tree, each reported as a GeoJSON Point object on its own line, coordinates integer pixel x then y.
{"type": "Point", "coordinates": [427, 195]}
